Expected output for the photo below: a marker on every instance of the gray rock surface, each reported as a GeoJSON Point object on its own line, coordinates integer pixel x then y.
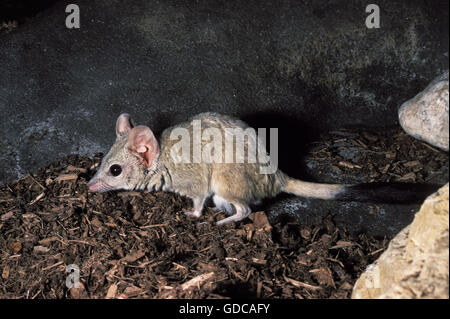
{"type": "Point", "coordinates": [299, 66]}
{"type": "Point", "coordinates": [426, 117]}
{"type": "Point", "coordinates": [375, 219]}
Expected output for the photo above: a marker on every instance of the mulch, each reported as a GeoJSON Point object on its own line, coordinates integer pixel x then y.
{"type": "Point", "coordinates": [138, 245]}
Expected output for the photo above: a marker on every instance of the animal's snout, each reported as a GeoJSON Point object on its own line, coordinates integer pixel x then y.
{"type": "Point", "coordinates": [93, 186]}
{"type": "Point", "coordinates": [98, 185]}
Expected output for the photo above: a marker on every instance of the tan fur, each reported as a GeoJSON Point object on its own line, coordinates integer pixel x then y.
{"type": "Point", "coordinates": [314, 190]}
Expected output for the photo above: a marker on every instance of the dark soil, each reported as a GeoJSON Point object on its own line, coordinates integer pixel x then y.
{"type": "Point", "coordinates": [349, 156]}
{"type": "Point", "coordinates": [136, 245]}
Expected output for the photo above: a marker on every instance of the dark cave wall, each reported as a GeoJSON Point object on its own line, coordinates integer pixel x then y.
{"type": "Point", "coordinates": [301, 66]}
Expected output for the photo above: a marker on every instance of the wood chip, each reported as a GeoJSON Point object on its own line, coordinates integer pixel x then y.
{"type": "Point", "coordinates": [300, 284]}
{"type": "Point", "coordinates": [431, 147]}
{"type": "Point", "coordinates": [324, 276]}
{"type": "Point", "coordinates": [391, 155]}
{"type": "Point", "coordinates": [5, 272]}
{"type": "Point", "coordinates": [72, 168]}
{"type": "Point", "coordinates": [260, 221]}
{"type": "Point", "coordinates": [15, 247]}
{"type": "Point", "coordinates": [48, 240]}
{"type": "Point", "coordinates": [348, 165]}
{"type": "Point", "coordinates": [343, 244]}
{"type": "Point", "coordinates": [29, 216]}
{"type": "Point", "coordinates": [198, 281]}
{"type": "Point", "coordinates": [361, 143]}
{"type": "Point", "coordinates": [412, 164]}
{"type": "Point", "coordinates": [154, 225]}
{"type": "Point", "coordinates": [41, 249]}
{"type": "Point", "coordinates": [376, 252]}
{"type": "Point", "coordinates": [133, 256]}
{"type": "Point", "coordinates": [258, 289]}
{"type": "Point", "coordinates": [7, 216]}
{"type": "Point", "coordinates": [336, 261]}
{"type": "Point", "coordinates": [386, 168]}
{"type": "Point", "coordinates": [407, 177]}
{"type": "Point", "coordinates": [78, 293]}
{"type": "Point", "coordinates": [96, 223]}
{"type": "Point", "coordinates": [126, 194]}
{"type": "Point", "coordinates": [39, 197]}
{"type": "Point", "coordinates": [53, 266]}
{"type": "Point", "coordinates": [259, 261]}
{"type": "Point", "coordinates": [132, 291]}
{"type": "Point", "coordinates": [66, 177]}
{"type": "Point", "coordinates": [370, 137]}
{"type": "Point", "coordinates": [112, 290]}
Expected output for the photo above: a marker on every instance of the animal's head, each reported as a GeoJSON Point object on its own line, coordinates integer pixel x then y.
{"type": "Point", "coordinates": [134, 155]}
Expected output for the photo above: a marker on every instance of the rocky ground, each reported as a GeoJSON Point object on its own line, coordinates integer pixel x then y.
{"type": "Point", "coordinates": [136, 245]}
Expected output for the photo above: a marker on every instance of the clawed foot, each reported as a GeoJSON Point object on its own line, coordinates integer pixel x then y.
{"type": "Point", "coordinates": [193, 213]}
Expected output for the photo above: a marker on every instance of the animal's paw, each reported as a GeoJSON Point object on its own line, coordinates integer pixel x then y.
{"type": "Point", "coordinates": [193, 213]}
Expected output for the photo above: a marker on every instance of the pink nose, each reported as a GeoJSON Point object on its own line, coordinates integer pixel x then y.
{"type": "Point", "coordinates": [96, 185]}
{"type": "Point", "coordinates": [92, 186]}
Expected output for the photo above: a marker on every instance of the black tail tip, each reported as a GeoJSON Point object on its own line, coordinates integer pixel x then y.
{"type": "Point", "coordinates": [388, 193]}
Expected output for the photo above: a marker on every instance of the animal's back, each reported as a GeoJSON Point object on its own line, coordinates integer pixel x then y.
{"type": "Point", "coordinates": [240, 179]}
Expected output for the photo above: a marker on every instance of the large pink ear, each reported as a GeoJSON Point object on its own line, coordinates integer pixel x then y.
{"type": "Point", "coordinates": [142, 141]}
{"type": "Point", "coordinates": [123, 124]}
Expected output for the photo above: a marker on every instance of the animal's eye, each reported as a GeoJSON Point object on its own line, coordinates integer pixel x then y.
{"type": "Point", "coordinates": [115, 170]}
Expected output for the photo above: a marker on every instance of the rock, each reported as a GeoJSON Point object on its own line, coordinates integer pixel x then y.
{"type": "Point", "coordinates": [425, 116]}
{"type": "Point", "coordinates": [416, 263]}
{"type": "Point", "coordinates": [296, 65]}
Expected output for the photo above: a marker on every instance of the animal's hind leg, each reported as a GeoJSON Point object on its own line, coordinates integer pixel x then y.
{"type": "Point", "coordinates": [198, 207]}
{"type": "Point", "coordinates": [242, 211]}
{"type": "Point", "coordinates": [222, 204]}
